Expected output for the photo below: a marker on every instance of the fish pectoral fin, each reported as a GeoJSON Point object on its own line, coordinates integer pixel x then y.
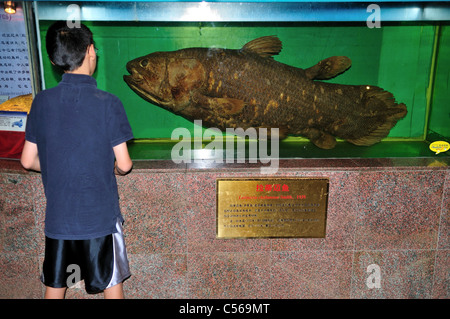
{"type": "Point", "coordinates": [266, 47]}
{"type": "Point", "coordinates": [328, 68]}
{"type": "Point", "coordinates": [320, 138]}
{"type": "Point", "coordinates": [228, 106]}
{"type": "Point", "coordinates": [221, 105]}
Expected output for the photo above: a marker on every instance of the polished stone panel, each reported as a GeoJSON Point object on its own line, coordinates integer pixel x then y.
{"type": "Point", "coordinates": [229, 275]}
{"type": "Point", "coordinates": [311, 274]}
{"type": "Point", "coordinates": [17, 219]}
{"type": "Point", "coordinates": [399, 210]}
{"type": "Point", "coordinates": [157, 276]}
{"type": "Point", "coordinates": [387, 213]}
{"type": "Point", "coordinates": [402, 274]}
{"type": "Point", "coordinates": [444, 230]}
{"type": "Point", "coordinates": [153, 208]}
{"type": "Point", "coordinates": [441, 283]}
{"type": "Point", "coordinates": [19, 276]}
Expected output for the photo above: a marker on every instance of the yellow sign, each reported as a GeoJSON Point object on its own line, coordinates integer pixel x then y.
{"type": "Point", "coordinates": [272, 207]}
{"type": "Point", "coordinates": [439, 147]}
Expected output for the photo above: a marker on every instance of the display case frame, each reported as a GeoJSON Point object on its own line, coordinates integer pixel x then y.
{"type": "Point", "coordinates": [436, 13]}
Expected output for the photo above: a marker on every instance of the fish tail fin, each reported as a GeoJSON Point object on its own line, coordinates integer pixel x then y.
{"type": "Point", "coordinates": [383, 114]}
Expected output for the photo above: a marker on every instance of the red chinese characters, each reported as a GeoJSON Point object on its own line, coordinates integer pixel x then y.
{"type": "Point", "coordinates": [272, 187]}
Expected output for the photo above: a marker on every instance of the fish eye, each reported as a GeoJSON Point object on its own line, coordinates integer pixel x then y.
{"type": "Point", "coordinates": [144, 63]}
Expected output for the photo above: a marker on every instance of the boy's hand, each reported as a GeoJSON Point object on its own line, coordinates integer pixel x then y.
{"type": "Point", "coordinates": [118, 171]}
{"type": "Point", "coordinates": [123, 163]}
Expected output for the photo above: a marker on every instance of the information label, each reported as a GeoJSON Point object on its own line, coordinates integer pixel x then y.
{"type": "Point", "coordinates": [271, 207]}
{"type": "Point", "coordinates": [13, 121]}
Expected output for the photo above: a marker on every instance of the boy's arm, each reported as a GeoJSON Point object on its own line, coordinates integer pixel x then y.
{"type": "Point", "coordinates": [30, 158]}
{"type": "Point", "coordinates": [123, 163]}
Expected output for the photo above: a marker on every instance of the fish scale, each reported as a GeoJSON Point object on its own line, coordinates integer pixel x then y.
{"type": "Point", "coordinates": [258, 87]}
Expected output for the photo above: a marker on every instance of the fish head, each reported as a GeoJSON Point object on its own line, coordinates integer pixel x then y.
{"type": "Point", "coordinates": [148, 78]}
{"type": "Point", "coordinates": [165, 79]}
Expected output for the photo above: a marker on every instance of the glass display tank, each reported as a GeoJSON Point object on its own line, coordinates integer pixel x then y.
{"type": "Point", "coordinates": [402, 47]}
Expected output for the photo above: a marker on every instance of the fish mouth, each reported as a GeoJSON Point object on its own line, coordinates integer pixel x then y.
{"type": "Point", "coordinates": [134, 77]}
{"type": "Point", "coordinates": [135, 82]}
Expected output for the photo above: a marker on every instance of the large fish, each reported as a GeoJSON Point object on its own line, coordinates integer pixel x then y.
{"type": "Point", "coordinates": [247, 88]}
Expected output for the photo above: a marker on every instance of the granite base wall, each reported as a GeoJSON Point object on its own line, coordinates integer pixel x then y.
{"type": "Point", "coordinates": [392, 213]}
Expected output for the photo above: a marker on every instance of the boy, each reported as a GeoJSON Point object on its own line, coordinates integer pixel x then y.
{"type": "Point", "coordinates": [74, 131]}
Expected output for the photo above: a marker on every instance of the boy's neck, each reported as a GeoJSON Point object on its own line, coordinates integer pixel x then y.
{"type": "Point", "coordinates": [89, 63]}
{"type": "Point", "coordinates": [80, 70]}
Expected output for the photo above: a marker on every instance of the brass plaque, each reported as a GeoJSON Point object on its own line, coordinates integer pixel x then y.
{"type": "Point", "coordinates": [271, 207]}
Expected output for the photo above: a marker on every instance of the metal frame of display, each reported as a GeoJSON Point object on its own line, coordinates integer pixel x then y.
{"type": "Point", "coordinates": [245, 11]}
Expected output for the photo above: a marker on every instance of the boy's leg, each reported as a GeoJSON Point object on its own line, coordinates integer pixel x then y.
{"type": "Point", "coordinates": [114, 292]}
{"type": "Point", "coordinates": [54, 293]}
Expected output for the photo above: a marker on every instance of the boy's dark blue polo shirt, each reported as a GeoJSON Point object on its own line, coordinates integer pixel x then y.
{"type": "Point", "coordinates": [75, 126]}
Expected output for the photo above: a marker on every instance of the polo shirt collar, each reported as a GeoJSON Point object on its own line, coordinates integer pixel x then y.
{"type": "Point", "coordinates": [71, 78]}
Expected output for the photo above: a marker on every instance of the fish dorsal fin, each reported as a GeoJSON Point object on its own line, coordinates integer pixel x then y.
{"type": "Point", "coordinates": [267, 46]}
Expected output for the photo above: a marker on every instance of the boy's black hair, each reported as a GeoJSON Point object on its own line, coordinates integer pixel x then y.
{"type": "Point", "coordinates": [66, 46]}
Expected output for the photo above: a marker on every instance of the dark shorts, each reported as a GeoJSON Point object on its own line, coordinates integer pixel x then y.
{"type": "Point", "coordinates": [101, 262]}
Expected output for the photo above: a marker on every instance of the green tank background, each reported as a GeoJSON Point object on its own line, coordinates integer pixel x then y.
{"type": "Point", "coordinates": [411, 61]}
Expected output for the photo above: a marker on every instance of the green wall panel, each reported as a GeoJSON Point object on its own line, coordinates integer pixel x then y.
{"type": "Point", "coordinates": [394, 57]}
